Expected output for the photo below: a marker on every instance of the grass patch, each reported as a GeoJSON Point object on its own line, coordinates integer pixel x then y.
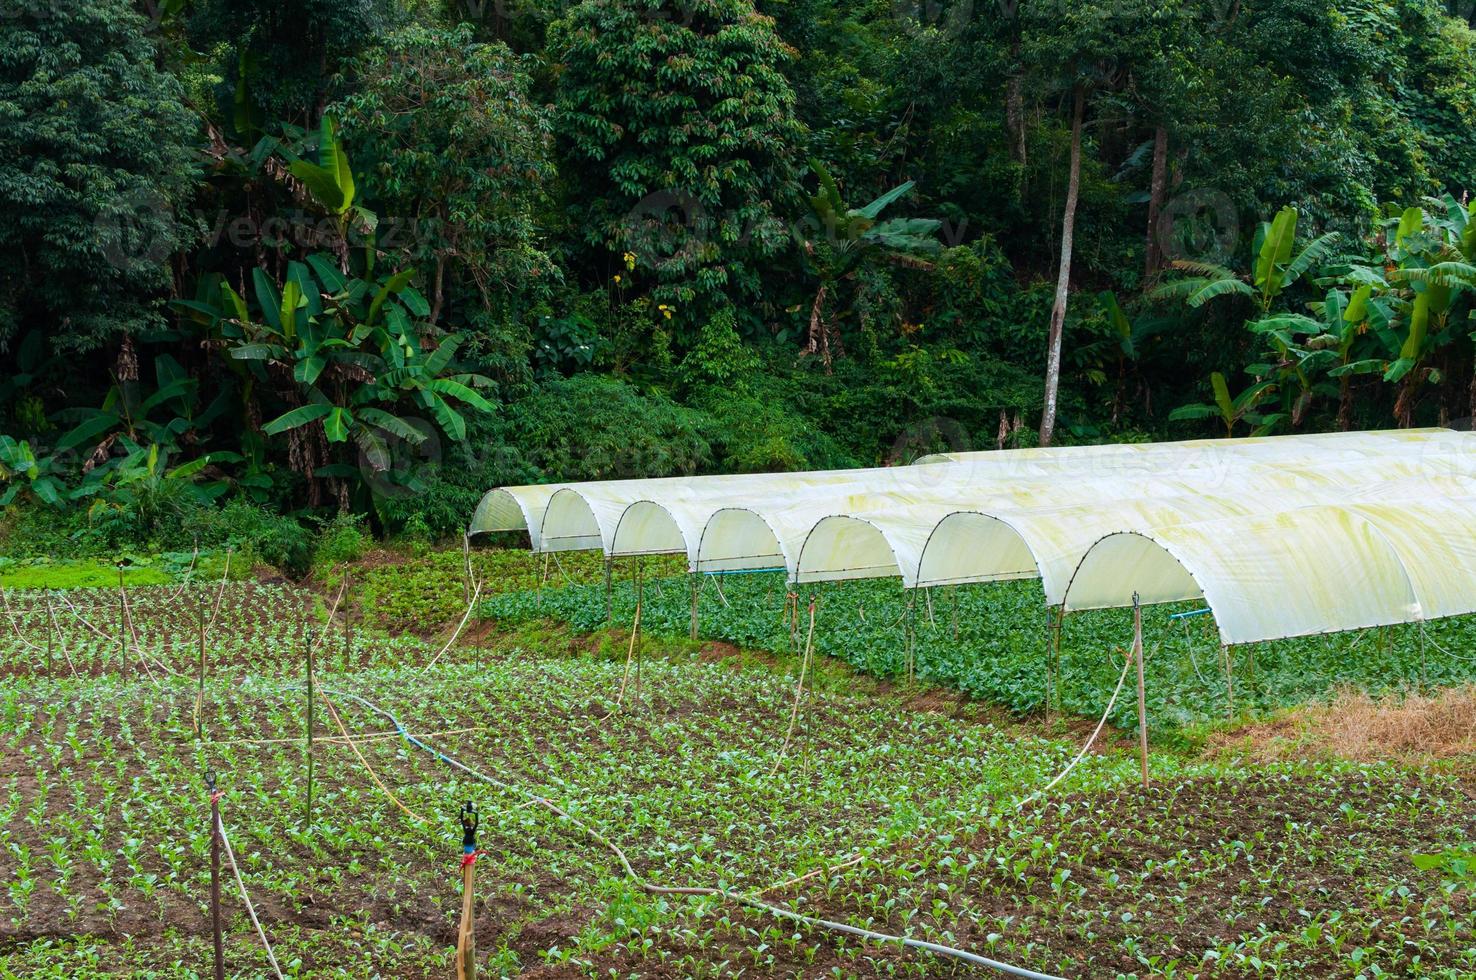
{"type": "Point", "coordinates": [79, 575]}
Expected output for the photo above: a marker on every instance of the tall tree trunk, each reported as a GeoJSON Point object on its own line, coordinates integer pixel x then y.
{"type": "Point", "coordinates": [1157, 189]}
{"type": "Point", "coordinates": [1063, 280]}
{"type": "Point", "coordinates": [1015, 117]}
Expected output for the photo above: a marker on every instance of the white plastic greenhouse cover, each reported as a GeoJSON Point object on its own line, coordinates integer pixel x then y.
{"type": "Point", "coordinates": [522, 508]}
{"type": "Point", "coordinates": [1009, 530]}
{"type": "Point", "coordinates": [1316, 569]}
{"type": "Point", "coordinates": [594, 515]}
{"type": "Point", "coordinates": [940, 544]}
{"type": "Point", "coordinates": [1281, 535]}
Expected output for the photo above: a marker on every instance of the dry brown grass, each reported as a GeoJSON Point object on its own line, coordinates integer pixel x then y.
{"type": "Point", "coordinates": [1411, 727]}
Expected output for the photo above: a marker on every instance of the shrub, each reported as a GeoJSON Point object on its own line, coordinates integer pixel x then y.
{"type": "Point", "coordinates": [341, 540]}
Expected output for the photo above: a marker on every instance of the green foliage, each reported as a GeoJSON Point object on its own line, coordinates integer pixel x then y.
{"type": "Point", "coordinates": [343, 539]}
{"type": "Point", "coordinates": [590, 427]}
{"type": "Point", "coordinates": [45, 574]}
{"type": "Point", "coordinates": [435, 109]}
{"type": "Point", "coordinates": [344, 358]}
{"type": "Point", "coordinates": [95, 173]}
{"type": "Point", "coordinates": [678, 132]}
{"type": "Point", "coordinates": [276, 61]}
{"type": "Point", "coordinates": [253, 534]}
{"type": "Point", "coordinates": [1001, 652]}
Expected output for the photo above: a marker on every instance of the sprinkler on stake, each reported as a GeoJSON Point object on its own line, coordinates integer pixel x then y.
{"type": "Point", "coordinates": [466, 939]}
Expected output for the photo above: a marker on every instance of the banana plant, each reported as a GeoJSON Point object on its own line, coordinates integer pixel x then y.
{"type": "Point", "coordinates": [343, 356]}
{"type": "Point", "coordinates": [1232, 410]}
{"type": "Point", "coordinates": [1407, 299]}
{"type": "Point", "coordinates": [1287, 369]}
{"type": "Point", "coordinates": [838, 239]}
{"type": "Point", "coordinates": [22, 471]}
{"type": "Point", "coordinates": [1277, 266]}
{"type": "Point", "coordinates": [331, 180]}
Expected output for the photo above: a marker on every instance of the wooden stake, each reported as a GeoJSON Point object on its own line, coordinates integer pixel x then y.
{"type": "Point", "coordinates": [1227, 657]}
{"type": "Point", "coordinates": [953, 591]}
{"type": "Point", "coordinates": [200, 689]}
{"type": "Point", "coordinates": [466, 568]}
{"type": "Point", "coordinates": [50, 633]}
{"type": "Point", "coordinates": [122, 640]}
{"type": "Point", "coordinates": [347, 611]}
{"type": "Point", "coordinates": [908, 630]}
{"type": "Point", "coordinates": [310, 729]}
{"type": "Point", "coordinates": [640, 600]}
{"type": "Point", "coordinates": [695, 586]}
{"type": "Point", "coordinates": [215, 877]}
{"type": "Point", "coordinates": [1142, 699]}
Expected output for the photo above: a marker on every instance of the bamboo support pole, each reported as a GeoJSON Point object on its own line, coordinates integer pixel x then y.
{"type": "Point", "coordinates": [1142, 698]}
{"type": "Point", "coordinates": [200, 686]}
{"type": "Point", "coordinates": [695, 583]}
{"type": "Point", "coordinates": [1227, 658]}
{"type": "Point", "coordinates": [50, 634]}
{"type": "Point", "coordinates": [215, 877]}
{"type": "Point", "coordinates": [309, 734]}
{"type": "Point", "coordinates": [122, 639]}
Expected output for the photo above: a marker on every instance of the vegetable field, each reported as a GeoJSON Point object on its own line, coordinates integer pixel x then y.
{"type": "Point", "coordinates": [908, 808]}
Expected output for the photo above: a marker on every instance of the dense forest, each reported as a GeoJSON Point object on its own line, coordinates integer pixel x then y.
{"type": "Point", "coordinates": [263, 262]}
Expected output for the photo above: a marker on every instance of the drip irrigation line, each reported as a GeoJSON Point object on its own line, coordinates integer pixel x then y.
{"type": "Point", "coordinates": [144, 655]}
{"type": "Point", "coordinates": [220, 593]}
{"type": "Point", "coordinates": [58, 632]}
{"type": "Point", "coordinates": [1460, 659]}
{"type": "Point", "coordinates": [1189, 646]}
{"type": "Point", "coordinates": [476, 594]}
{"type": "Point", "coordinates": [1111, 703]}
{"type": "Point", "coordinates": [348, 740]}
{"type": "Point", "coordinates": [250, 909]}
{"type": "Point", "coordinates": [81, 618]}
{"type": "Point", "coordinates": [189, 573]}
{"type": "Point", "coordinates": [635, 632]}
{"type": "Point", "coordinates": [559, 562]}
{"type": "Point", "coordinates": [858, 858]}
{"type": "Point", "coordinates": [799, 690]}
{"type": "Point", "coordinates": [14, 624]}
{"type": "Point", "coordinates": [333, 611]}
{"type": "Point", "coordinates": [735, 897]}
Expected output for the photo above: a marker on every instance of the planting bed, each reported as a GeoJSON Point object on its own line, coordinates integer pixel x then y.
{"type": "Point", "coordinates": [1289, 869]}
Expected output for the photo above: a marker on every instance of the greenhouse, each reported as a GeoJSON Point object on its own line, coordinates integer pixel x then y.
{"type": "Point", "coordinates": [1281, 536]}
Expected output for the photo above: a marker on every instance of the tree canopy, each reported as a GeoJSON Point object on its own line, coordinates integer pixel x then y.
{"type": "Point", "coordinates": [334, 256]}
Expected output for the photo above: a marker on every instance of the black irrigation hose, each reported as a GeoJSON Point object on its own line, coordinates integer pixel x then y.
{"type": "Point", "coordinates": [880, 937]}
